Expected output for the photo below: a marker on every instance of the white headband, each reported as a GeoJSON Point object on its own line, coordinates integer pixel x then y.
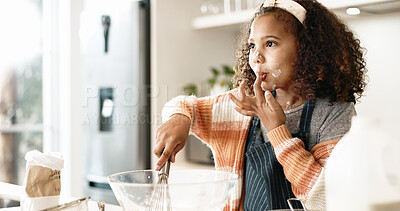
{"type": "Point", "coordinates": [291, 6]}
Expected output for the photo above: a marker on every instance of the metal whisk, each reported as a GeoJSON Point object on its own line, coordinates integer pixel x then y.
{"type": "Point", "coordinates": [160, 199]}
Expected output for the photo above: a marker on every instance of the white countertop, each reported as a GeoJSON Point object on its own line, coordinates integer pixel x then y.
{"type": "Point", "coordinates": [13, 192]}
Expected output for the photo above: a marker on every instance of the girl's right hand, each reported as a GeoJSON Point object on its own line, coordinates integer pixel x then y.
{"type": "Point", "coordinates": [171, 137]}
{"type": "Point", "coordinates": [263, 105]}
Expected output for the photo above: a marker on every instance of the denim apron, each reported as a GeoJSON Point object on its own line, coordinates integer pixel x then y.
{"type": "Point", "coordinates": [266, 187]}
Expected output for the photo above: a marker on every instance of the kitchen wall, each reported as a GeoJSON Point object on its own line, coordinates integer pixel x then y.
{"type": "Point", "coordinates": [379, 34]}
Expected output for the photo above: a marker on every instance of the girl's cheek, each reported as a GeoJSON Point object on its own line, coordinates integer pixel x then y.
{"type": "Point", "coordinates": [274, 79]}
{"type": "Point", "coordinates": [276, 73]}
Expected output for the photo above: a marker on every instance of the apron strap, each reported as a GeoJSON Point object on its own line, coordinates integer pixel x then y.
{"type": "Point", "coordinates": [305, 121]}
{"type": "Point", "coordinates": [306, 116]}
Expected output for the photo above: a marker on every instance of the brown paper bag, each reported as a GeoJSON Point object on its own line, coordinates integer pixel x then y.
{"type": "Point", "coordinates": [42, 181]}
{"type": "Point", "coordinates": [42, 184]}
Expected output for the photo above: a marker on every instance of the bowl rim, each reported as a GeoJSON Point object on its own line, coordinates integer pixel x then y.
{"type": "Point", "coordinates": [70, 204]}
{"type": "Point", "coordinates": [233, 177]}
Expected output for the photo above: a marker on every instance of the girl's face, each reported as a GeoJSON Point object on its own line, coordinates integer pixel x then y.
{"type": "Point", "coordinates": [272, 52]}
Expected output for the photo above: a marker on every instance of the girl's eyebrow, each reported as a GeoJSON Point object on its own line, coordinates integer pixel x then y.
{"type": "Point", "coordinates": [271, 36]}
{"type": "Point", "coordinates": [266, 37]}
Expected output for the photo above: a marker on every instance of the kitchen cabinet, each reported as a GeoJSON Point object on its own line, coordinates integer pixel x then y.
{"type": "Point", "coordinates": [240, 17]}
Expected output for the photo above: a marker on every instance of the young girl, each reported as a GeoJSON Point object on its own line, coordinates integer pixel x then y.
{"type": "Point", "coordinates": [299, 72]}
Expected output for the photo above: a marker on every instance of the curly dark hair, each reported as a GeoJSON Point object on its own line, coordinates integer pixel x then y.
{"type": "Point", "coordinates": [329, 62]}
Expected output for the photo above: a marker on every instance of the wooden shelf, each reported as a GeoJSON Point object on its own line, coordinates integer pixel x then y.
{"type": "Point", "coordinates": [212, 21]}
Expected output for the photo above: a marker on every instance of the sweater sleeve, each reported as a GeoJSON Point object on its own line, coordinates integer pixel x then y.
{"type": "Point", "coordinates": [198, 110]}
{"type": "Point", "coordinates": [301, 167]}
{"type": "Point", "coordinates": [304, 169]}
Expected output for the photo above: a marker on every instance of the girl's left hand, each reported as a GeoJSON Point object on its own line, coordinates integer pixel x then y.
{"type": "Point", "coordinates": [263, 105]}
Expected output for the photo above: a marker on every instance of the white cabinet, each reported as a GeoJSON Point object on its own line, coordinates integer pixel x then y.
{"type": "Point", "coordinates": [237, 18]}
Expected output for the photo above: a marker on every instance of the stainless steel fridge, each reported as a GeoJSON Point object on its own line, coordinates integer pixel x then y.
{"type": "Point", "coordinates": [114, 40]}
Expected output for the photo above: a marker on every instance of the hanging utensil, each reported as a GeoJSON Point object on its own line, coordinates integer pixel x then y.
{"type": "Point", "coordinates": [106, 21]}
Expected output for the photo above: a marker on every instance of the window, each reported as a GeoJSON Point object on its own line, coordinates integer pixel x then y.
{"type": "Point", "coordinates": [21, 113]}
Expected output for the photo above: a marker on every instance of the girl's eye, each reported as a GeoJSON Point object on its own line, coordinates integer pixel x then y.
{"type": "Point", "coordinates": [270, 44]}
{"type": "Point", "coordinates": [251, 45]}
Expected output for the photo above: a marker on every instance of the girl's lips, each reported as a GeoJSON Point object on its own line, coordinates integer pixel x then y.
{"type": "Point", "coordinates": [264, 76]}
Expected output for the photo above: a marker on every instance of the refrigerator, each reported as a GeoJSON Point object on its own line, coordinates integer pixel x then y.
{"type": "Point", "coordinates": [114, 41]}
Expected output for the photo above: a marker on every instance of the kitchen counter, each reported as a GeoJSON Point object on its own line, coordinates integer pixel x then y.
{"type": "Point", "coordinates": [10, 191]}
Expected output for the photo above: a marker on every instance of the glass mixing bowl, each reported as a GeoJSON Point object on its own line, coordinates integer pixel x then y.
{"type": "Point", "coordinates": [188, 189]}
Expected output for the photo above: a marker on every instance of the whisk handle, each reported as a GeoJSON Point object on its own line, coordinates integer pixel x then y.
{"type": "Point", "coordinates": [165, 169]}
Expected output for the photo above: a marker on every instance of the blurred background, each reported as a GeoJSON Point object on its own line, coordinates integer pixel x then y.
{"type": "Point", "coordinates": [89, 78]}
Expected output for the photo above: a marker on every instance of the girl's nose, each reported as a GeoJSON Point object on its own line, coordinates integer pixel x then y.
{"type": "Point", "coordinates": [258, 58]}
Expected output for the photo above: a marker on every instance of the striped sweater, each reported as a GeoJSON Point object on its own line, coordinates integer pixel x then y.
{"type": "Point", "coordinates": [224, 130]}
